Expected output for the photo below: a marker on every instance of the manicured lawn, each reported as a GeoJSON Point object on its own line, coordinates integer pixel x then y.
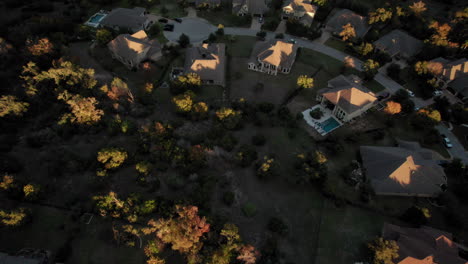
{"type": "Point", "coordinates": [374, 86]}
{"type": "Point", "coordinates": [239, 46]}
{"type": "Point", "coordinates": [336, 44]}
{"type": "Point", "coordinates": [224, 17]}
{"type": "Point", "coordinates": [174, 10]}
{"type": "Point", "coordinates": [461, 133]}
{"type": "Point", "coordinates": [319, 60]}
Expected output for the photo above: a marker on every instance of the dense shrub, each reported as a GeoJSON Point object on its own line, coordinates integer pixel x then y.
{"type": "Point", "coordinates": [258, 140]}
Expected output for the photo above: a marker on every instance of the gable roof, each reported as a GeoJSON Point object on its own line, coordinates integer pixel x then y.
{"type": "Point", "coordinates": [132, 19]}
{"type": "Point", "coordinates": [348, 93]}
{"type": "Point", "coordinates": [405, 170]}
{"type": "Point", "coordinates": [423, 245]}
{"type": "Point", "coordinates": [345, 16]}
{"type": "Point", "coordinates": [449, 70]}
{"type": "Point", "coordinates": [399, 42]}
{"type": "Point", "coordinates": [275, 52]}
{"type": "Point", "coordinates": [208, 61]}
{"type": "Point", "coordinates": [300, 6]}
{"type": "Point", "coordinates": [135, 48]}
{"type": "Point", "coordinates": [460, 85]}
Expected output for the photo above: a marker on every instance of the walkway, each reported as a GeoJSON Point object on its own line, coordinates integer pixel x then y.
{"type": "Point", "coordinates": [457, 151]}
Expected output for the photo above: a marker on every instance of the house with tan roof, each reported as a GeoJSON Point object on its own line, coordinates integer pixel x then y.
{"type": "Point", "coordinates": [134, 49]}
{"type": "Point", "coordinates": [125, 18]}
{"type": "Point", "coordinates": [342, 17]}
{"type": "Point", "coordinates": [273, 57]}
{"type": "Point", "coordinates": [405, 170]}
{"type": "Point", "coordinates": [346, 97]}
{"type": "Point", "coordinates": [252, 7]}
{"type": "Point", "coordinates": [452, 74]}
{"type": "Point", "coordinates": [208, 61]}
{"type": "Point", "coordinates": [399, 43]}
{"type": "Point", "coordinates": [300, 10]}
{"type": "Point", "coordinates": [424, 245]}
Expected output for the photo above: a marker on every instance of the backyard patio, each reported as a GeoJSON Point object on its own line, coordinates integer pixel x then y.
{"type": "Point", "coordinates": [325, 124]}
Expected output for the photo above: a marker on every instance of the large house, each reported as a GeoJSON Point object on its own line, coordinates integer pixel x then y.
{"type": "Point", "coordinates": [342, 17]}
{"type": "Point", "coordinates": [131, 50]}
{"type": "Point", "coordinates": [252, 7]}
{"type": "Point", "coordinates": [406, 170]}
{"type": "Point", "coordinates": [273, 57]}
{"type": "Point", "coordinates": [300, 10]}
{"type": "Point", "coordinates": [208, 61]}
{"type": "Point", "coordinates": [424, 245]}
{"type": "Point", "coordinates": [451, 74]}
{"type": "Point", "coordinates": [124, 18]}
{"type": "Point", "coordinates": [346, 97]}
{"type": "Point", "coordinates": [399, 43]}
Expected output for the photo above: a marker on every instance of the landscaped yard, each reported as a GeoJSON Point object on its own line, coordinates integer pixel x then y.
{"type": "Point", "coordinates": [225, 17]}
{"type": "Point", "coordinates": [173, 9]}
{"type": "Point", "coordinates": [336, 44]}
{"type": "Point", "coordinates": [239, 46]}
{"type": "Point", "coordinates": [374, 86]}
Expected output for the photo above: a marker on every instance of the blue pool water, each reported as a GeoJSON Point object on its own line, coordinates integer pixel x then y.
{"type": "Point", "coordinates": [329, 124]}
{"type": "Point", "coordinates": [97, 18]}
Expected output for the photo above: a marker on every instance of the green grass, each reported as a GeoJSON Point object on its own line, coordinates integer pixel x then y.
{"type": "Point", "coordinates": [336, 44]}
{"type": "Point", "coordinates": [174, 10]}
{"type": "Point", "coordinates": [249, 210]}
{"type": "Point", "coordinates": [344, 233]}
{"type": "Point", "coordinates": [241, 46]}
{"type": "Point", "coordinates": [374, 86]}
{"type": "Point", "coordinates": [319, 60]}
{"type": "Point", "coordinates": [224, 17]}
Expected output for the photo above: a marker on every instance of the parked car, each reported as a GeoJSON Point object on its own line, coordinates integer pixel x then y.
{"type": "Point", "coordinates": [383, 96]}
{"type": "Point", "coordinates": [162, 20]}
{"type": "Point", "coordinates": [437, 93]}
{"type": "Point", "coordinates": [168, 27]}
{"type": "Point", "coordinates": [410, 93]}
{"type": "Point", "coordinates": [260, 20]}
{"type": "Point", "coordinates": [446, 140]}
{"type": "Point", "coordinates": [178, 20]}
{"type": "Point", "coordinates": [293, 41]}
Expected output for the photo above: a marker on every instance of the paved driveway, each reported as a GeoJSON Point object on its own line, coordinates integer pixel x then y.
{"type": "Point", "coordinates": [457, 151]}
{"type": "Point", "coordinates": [255, 25]}
{"type": "Point", "coordinates": [197, 29]}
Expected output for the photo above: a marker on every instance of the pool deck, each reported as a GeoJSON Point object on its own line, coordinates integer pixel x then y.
{"type": "Point", "coordinates": [95, 24]}
{"type": "Point", "coordinates": [316, 123]}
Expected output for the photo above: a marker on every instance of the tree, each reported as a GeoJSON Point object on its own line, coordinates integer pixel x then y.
{"type": "Point", "coordinates": [379, 15]}
{"type": "Point", "coordinates": [248, 254]}
{"type": "Point", "coordinates": [63, 74]}
{"type": "Point", "coordinates": [232, 243]}
{"type": "Point", "coordinates": [365, 48]}
{"type": "Point", "coordinates": [190, 81]}
{"type": "Point", "coordinates": [370, 67]}
{"type": "Point", "coordinates": [14, 218]}
{"type": "Point", "coordinates": [384, 251]}
{"type": "Point", "coordinates": [421, 67]}
{"type": "Point", "coordinates": [229, 117]}
{"type": "Point", "coordinates": [7, 183]}
{"type": "Point", "coordinates": [440, 35]}
{"type": "Point", "coordinates": [212, 38]}
{"type": "Point", "coordinates": [103, 36]}
{"type": "Point", "coordinates": [348, 32]}
{"type": "Point", "coordinates": [112, 158]}
{"type": "Point", "coordinates": [320, 2]}
{"type": "Point", "coordinates": [392, 108]}
{"type": "Point", "coordinates": [184, 102]}
{"type": "Point", "coordinates": [40, 47]}
{"type": "Point", "coordinates": [184, 232]}
{"type": "Point", "coordinates": [31, 191]}
{"type": "Point", "coordinates": [9, 105]}
{"type": "Point", "coordinates": [393, 71]}
{"type": "Point", "coordinates": [416, 216]}
{"type": "Point", "coordinates": [119, 89]}
{"type": "Point", "coordinates": [84, 111]}
{"type": "Point", "coordinates": [267, 168]}
{"type": "Point", "coordinates": [305, 82]}
{"type": "Point", "coordinates": [154, 30]}
{"type": "Point", "coordinates": [418, 8]}
{"type": "Point", "coordinates": [184, 41]}
{"type": "Point", "coordinates": [199, 111]}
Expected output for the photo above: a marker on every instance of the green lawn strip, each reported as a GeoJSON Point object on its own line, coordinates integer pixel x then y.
{"type": "Point", "coordinates": [374, 86]}
{"type": "Point", "coordinates": [239, 46]}
{"type": "Point", "coordinates": [336, 44]}
{"type": "Point", "coordinates": [224, 17]}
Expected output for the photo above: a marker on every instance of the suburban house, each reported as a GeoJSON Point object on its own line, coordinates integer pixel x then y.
{"type": "Point", "coordinates": [346, 97]}
{"type": "Point", "coordinates": [399, 43]}
{"type": "Point", "coordinates": [342, 17]}
{"type": "Point", "coordinates": [252, 7]}
{"type": "Point", "coordinates": [451, 74]}
{"type": "Point", "coordinates": [424, 245]}
{"type": "Point", "coordinates": [208, 61]}
{"type": "Point", "coordinates": [406, 170]}
{"type": "Point", "coordinates": [131, 50]}
{"type": "Point", "coordinates": [300, 10]}
{"type": "Point", "coordinates": [125, 18]}
{"type": "Point", "coordinates": [207, 3]}
{"type": "Point", "coordinates": [273, 56]}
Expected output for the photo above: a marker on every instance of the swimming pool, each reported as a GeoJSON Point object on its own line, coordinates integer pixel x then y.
{"type": "Point", "coordinates": [95, 19]}
{"type": "Point", "coordinates": [329, 124]}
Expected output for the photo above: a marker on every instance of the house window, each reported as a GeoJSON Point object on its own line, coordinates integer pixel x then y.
{"type": "Point", "coordinates": [285, 70]}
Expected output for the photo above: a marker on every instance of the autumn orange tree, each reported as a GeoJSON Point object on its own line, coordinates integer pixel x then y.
{"type": "Point", "coordinates": [392, 108]}
{"type": "Point", "coordinates": [348, 32]}
{"type": "Point", "coordinates": [11, 106]}
{"type": "Point", "coordinates": [384, 251]}
{"type": "Point", "coordinates": [39, 47]}
{"type": "Point", "coordinates": [418, 8]}
{"type": "Point", "coordinates": [83, 109]}
{"type": "Point", "coordinates": [229, 117]}
{"type": "Point", "coordinates": [380, 15]}
{"type": "Point", "coordinates": [184, 233]}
